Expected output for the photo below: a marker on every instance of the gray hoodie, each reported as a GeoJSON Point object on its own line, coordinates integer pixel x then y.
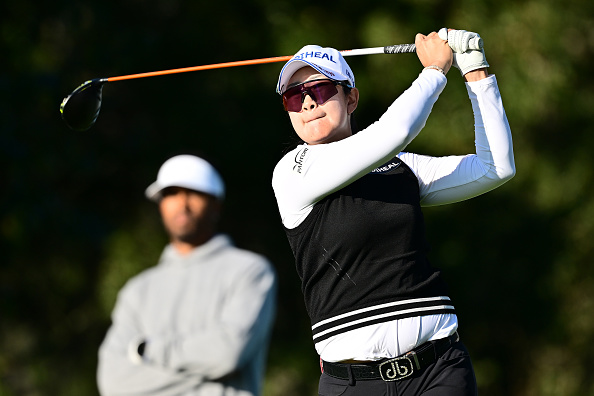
{"type": "Point", "coordinates": [205, 319]}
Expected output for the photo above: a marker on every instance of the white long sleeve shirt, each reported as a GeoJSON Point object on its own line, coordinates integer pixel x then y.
{"type": "Point", "coordinates": [206, 318]}
{"type": "Point", "coordinates": [309, 173]}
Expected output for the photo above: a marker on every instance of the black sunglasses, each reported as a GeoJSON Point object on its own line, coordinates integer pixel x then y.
{"type": "Point", "coordinates": [319, 90]}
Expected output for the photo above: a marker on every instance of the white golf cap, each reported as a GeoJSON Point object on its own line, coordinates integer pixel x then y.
{"type": "Point", "coordinates": [189, 172]}
{"type": "Point", "coordinates": [325, 60]}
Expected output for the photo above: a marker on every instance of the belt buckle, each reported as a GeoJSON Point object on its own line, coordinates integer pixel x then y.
{"type": "Point", "coordinates": [397, 368]}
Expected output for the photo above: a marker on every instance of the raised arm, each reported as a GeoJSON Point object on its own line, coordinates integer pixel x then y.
{"type": "Point", "coordinates": [444, 180]}
{"type": "Point", "coordinates": [309, 173]}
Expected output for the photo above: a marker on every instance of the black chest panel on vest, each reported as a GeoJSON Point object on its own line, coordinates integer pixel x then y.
{"type": "Point", "coordinates": [365, 245]}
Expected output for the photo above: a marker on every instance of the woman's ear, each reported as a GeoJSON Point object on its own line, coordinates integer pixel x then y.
{"type": "Point", "coordinates": [352, 100]}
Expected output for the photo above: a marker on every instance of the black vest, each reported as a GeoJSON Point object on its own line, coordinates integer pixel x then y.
{"type": "Point", "coordinates": [361, 254]}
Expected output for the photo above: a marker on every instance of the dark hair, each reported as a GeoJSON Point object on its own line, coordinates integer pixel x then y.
{"type": "Point", "coordinates": [354, 127]}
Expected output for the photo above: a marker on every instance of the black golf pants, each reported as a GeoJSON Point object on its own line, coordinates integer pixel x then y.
{"type": "Point", "coordinates": [451, 375]}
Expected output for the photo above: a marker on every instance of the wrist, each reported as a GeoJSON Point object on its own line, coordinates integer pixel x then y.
{"type": "Point", "coordinates": [476, 75]}
{"type": "Point", "coordinates": [435, 67]}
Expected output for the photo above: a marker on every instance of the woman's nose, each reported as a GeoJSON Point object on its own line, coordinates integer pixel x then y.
{"type": "Point", "coordinates": [308, 103]}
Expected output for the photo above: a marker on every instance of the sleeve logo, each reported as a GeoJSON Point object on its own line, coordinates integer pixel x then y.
{"type": "Point", "coordinates": [299, 156]}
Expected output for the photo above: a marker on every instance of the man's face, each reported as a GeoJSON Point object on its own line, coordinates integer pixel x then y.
{"type": "Point", "coordinates": [188, 216]}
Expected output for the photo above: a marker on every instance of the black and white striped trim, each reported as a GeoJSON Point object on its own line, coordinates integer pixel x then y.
{"type": "Point", "coordinates": [380, 314]}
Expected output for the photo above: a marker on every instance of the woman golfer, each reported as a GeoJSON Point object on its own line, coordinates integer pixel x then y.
{"type": "Point", "coordinates": [351, 206]}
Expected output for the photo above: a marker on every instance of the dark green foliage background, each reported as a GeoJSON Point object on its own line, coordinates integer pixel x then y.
{"type": "Point", "coordinates": [74, 224]}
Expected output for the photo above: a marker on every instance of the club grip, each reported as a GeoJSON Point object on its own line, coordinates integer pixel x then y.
{"type": "Point", "coordinates": [400, 49]}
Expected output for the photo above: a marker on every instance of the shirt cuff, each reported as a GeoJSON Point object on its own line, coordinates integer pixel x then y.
{"type": "Point", "coordinates": [480, 85]}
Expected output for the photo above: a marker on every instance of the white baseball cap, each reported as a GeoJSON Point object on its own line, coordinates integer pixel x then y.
{"type": "Point", "coordinates": [325, 60]}
{"type": "Point", "coordinates": [190, 172]}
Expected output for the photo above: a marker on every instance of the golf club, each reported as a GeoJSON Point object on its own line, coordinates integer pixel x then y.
{"type": "Point", "coordinates": [81, 108]}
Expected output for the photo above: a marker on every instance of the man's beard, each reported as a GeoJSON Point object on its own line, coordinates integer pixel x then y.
{"type": "Point", "coordinates": [197, 234]}
{"type": "Point", "coordinates": [188, 237]}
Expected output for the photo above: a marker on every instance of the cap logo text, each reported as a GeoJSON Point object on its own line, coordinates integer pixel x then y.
{"type": "Point", "coordinates": [313, 54]}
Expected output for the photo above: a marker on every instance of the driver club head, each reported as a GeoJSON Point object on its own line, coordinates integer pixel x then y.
{"type": "Point", "coordinates": [81, 108]}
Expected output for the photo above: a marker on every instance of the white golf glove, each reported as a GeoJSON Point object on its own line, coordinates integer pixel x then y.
{"type": "Point", "coordinates": [468, 49]}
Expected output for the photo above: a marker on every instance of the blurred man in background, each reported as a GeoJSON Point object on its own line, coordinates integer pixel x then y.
{"type": "Point", "coordinates": [199, 322]}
